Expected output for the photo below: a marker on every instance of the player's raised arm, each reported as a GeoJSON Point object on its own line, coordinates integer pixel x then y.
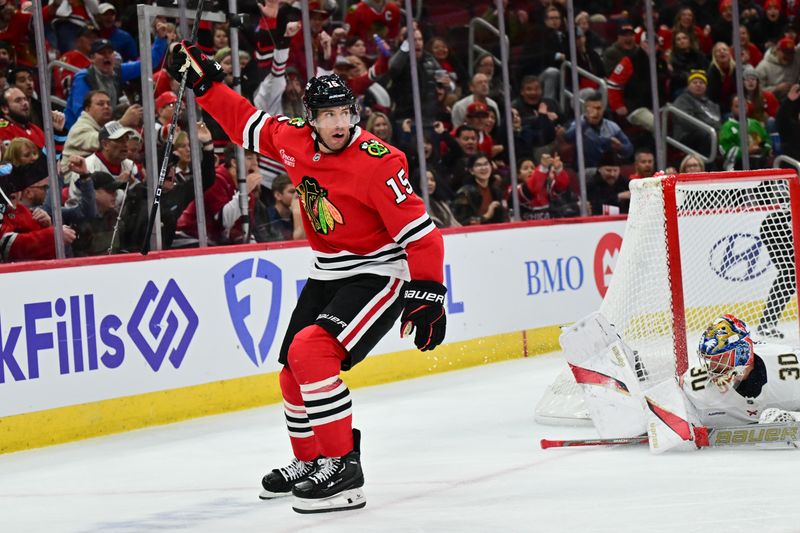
{"type": "Point", "coordinates": [240, 120]}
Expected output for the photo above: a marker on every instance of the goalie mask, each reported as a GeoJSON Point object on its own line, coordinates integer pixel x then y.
{"type": "Point", "coordinates": [726, 350]}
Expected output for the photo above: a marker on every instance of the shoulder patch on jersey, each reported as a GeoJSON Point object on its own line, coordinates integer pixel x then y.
{"type": "Point", "coordinates": [319, 209]}
{"type": "Point", "coordinates": [374, 148]}
{"type": "Point", "coordinates": [4, 123]}
{"type": "Point", "coordinates": [297, 122]}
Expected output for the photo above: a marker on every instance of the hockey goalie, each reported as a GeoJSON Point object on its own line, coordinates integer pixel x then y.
{"type": "Point", "coordinates": [736, 381]}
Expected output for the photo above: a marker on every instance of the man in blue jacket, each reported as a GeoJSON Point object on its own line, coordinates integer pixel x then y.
{"type": "Point", "coordinates": [106, 75]}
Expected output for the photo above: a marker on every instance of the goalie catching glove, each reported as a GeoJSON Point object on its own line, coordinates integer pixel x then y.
{"type": "Point", "coordinates": [201, 71]}
{"type": "Point", "coordinates": [423, 311]}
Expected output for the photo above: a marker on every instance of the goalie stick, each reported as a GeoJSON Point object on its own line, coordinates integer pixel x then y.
{"type": "Point", "coordinates": [773, 435]}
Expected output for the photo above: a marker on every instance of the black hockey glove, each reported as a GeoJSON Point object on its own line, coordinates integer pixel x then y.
{"type": "Point", "coordinates": [201, 70]}
{"type": "Point", "coordinates": [423, 311]}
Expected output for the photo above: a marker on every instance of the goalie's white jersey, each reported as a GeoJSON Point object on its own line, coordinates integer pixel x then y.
{"type": "Point", "coordinates": [720, 408]}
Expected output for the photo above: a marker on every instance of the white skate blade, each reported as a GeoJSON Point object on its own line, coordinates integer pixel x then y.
{"type": "Point", "coordinates": [267, 495]}
{"type": "Point", "coordinates": [344, 501]}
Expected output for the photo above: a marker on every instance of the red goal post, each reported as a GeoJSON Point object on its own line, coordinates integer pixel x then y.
{"type": "Point", "coordinates": [697, 246]}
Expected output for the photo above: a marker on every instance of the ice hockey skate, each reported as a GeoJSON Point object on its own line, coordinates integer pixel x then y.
{"type": "Point", "coordinates": [280, 481]}
{"type": "Point", "coordinates": [335, 485]}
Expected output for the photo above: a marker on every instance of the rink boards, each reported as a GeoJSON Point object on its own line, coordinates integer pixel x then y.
{"type": "Point", "coordinates": [91, 347]}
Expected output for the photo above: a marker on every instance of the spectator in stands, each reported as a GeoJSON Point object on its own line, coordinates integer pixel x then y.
{"type": "Point", "coordinates": [477, 117]}
{"type": "Point", "coordinates": [721, 79]}
{"type": "Point", "coordinates": [101, 234]}
{"type": "Point", "coordinates": [751, 53]}
{"type": "Point", "coordinates": [106, 75]}
{"type": "Point", "coordinates": [165, 110]}
{"type": "Point", "coordinates": [370, 17]}
{"type": "Point", "coordinates": [283, 219]}
{"type": "Point", "coordinates": [625, 45]}
{"type": "Point", "coordinates": [22, 152]}
{"type": "Point", "coordinates": [82, 138]}
{"type": "Point", "coordinates": [643, 163]}
{"type": "Point", "coordinates": [593, 41]}
{"type": "Point", "coordinates": [440, 50]}
{"type": "Point", "coordinates": [758, 143]}
{"type": "Point", "coordinates": [22, 78]}
{"type": "Point", "coordinates": [600, 135]}
{"type": "Point", "coordinates": [589, 60]}
{"type": "Point", "coordinates": [788, 123]}
{"type": "Point", "coordinates": [380, 126]}
{"type": "Point", "coordinates": [220, 38]}
{"type": "Point", "coordinates": [554, 49]}
{"type": "Point", "coordinates": [722, 27]}
{"type": "Point", "coordinates": [772, 25]}
{"type": "Point", "coordinates": [762, 105]}
{"type": "Point", "coordinates": [537, 183]}
{"type": "Point", "coordinates": [696, 103]}
{"type": "Point", "coordinates": [320, 41]}
{"type": "Point", "coordinates": [479, 92]}
{"type": "Point", "coordinates": [607, 192]}
{"type": "Point", "coordinates": [539, 116]}
{"type": "Point", "coordinates": [16, 121]}
{"type": "Point", "coordinates": [78, 57]}
{"type": "Point", "coordinates": [111, 157]}
{"type": "Point", "coordinates": [400, 76]}
{"type": "Point", "coordinates": [120, 40]}
{"type": "Point", "coordinates": [691, 163]}
{"type": "Point", "coordinates": [22, 237]}
{"type": "Point", "coordinates": [460, 147]}
{"type": "Point", "coordinates": [177, 193]}
{"type": "Point", "coordinates": [439, 208]}
{"type": "Point", "coordinates": [684, 57]}
{"type": "Point", "coordinates": [485, 64]}
{"type": "Point", "coordinates": [221, 201]}
{"type": "Point", "coordinates": [780, 67]}
{"type": "Point", "coordinates": [480, 199]}
{"type": "Point", "coordinates": [629, 88]}
{"type": "Point", "coordinates": [16, 28]}
{"type": "Point", "coordinates": [699, 37]}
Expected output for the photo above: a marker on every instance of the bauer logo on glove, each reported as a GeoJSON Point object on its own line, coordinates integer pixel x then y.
{"type": "Point", "coordinates": [423, 312]}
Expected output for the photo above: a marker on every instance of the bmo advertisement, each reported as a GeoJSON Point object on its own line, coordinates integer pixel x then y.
{"type": "Point", "coordinates": [122, 327]}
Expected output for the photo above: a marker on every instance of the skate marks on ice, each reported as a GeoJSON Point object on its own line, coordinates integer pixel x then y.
{"type": "Point", "coordinates": [450, 452]}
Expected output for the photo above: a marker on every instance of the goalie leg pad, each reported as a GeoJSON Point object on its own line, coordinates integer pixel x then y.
{"type": "Point", "coordinates": [670, 420]}
{"type": "Point", "coordinates": [603, 366]}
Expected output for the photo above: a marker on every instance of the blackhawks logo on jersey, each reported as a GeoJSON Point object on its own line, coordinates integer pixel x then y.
{"type": "Point", "coordinates": [320, 211]}
{"type": "Point", "coordinates": [374, 148]}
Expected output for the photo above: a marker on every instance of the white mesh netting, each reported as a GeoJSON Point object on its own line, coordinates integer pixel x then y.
{"type": "Point", "coordinates": [736, 256]}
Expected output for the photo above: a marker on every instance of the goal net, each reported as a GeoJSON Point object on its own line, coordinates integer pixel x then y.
{"type": "Point", "coordinates": [696, 246]}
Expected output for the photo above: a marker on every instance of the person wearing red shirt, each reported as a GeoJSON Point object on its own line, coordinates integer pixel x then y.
{"type": "Point", "coordinates": [539, 183]}
{"type": "Point", "coordinates": [370, 17]}
{"type": "Point", "coordinates": [377, 257]}
{"type": "Point", "coordinates": [24, 237]}
{"type": "Point", "coordinates": [221, 201]}
{"type": "Point", "coordinates": [77, 57]}
{"type": "Point", "coordinates": [16, 120]}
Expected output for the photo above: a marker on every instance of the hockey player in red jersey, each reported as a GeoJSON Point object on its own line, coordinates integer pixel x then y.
{"type": "Point", "coordinates": [378, 256]}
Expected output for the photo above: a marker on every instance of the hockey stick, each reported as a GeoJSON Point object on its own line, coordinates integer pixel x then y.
{"type": "Point", "coordinates": [151, 220]}
{"type": "Point", "coordinates": [775, 435]}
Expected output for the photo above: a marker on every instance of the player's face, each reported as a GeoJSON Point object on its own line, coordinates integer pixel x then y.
{"type": "Point", "coordinates": [333, 126]}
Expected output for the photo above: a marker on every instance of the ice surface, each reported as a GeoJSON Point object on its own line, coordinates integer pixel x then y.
{"type": "Point", "coordinates": [452, 452]}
